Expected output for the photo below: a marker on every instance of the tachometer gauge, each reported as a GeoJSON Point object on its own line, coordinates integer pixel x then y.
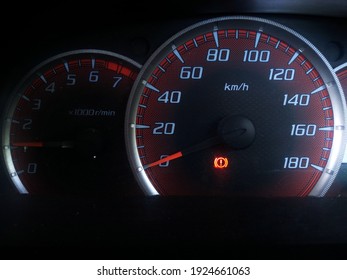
{"type": "Point", "coordinates": [236, 106]}
{"type": "Point", "coordinates": [63, 131]}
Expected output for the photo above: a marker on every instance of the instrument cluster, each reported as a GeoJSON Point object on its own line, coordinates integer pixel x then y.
{"type": "Point", "coordinates": [216, 128]}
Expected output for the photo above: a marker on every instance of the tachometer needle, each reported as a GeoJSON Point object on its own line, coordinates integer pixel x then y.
{"type": "Point", "coordinates": [41, 144]}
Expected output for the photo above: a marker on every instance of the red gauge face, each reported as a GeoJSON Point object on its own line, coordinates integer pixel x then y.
{"type": "Point", "coordinates": [63, 132]}
{"type": "Point", "coordinates": [236, 106]}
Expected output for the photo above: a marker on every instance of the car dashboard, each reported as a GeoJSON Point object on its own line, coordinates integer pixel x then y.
{"type": "Point", "coordinates": [108, 211]}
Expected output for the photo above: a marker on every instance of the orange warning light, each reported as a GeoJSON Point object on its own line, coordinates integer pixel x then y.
{"type": "Point", "coordinates": [221, 162]}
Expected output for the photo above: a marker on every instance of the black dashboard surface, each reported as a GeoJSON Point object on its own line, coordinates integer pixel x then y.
{"type": "Point", "coordinates": [140, 227]}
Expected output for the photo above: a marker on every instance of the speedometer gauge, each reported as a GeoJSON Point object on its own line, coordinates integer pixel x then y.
{"type": "Point", "coordinates": [63, 130]}
{"type": "Point", "coordinates": [236, 106]}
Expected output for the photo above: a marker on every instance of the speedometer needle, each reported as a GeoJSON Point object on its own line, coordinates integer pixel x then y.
{"type": "Point", "coordinates": [198, 147]}
{"type": "Point", "coordinates": [41, 144]}
{"type": "Point", "coordinates": [236, 131]}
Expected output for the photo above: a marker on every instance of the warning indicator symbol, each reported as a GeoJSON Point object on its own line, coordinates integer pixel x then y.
{"type": "Point", "coordinates": [221, 162]}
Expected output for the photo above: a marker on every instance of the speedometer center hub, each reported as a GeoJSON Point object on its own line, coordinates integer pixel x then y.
{"type": "Point", "coordinates": [236, 131]}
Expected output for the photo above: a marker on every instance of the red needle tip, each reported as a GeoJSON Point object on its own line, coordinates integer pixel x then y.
{"type": "Point", "coordinates": [28, 144]}
{"type": "Point", "coordinates": [163, 160]}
